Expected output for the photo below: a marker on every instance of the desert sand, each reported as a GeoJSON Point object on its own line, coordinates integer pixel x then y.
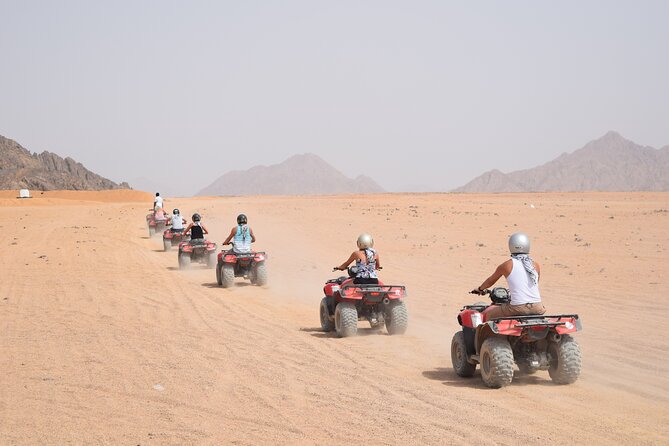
{"type": "Point", "coordinates": [105, 341]}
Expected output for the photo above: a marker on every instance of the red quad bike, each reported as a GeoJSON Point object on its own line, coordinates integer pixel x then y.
{"type": "Point", "coordinates": [156, 226]}
{"type": "Point", "coordinates": [249, 265]}
{"type": "Point", "coordinates": [172, 237]}
{"type": "Point", "coordinates": [532, 342]}
{"type": "Point", "coordinates": [345, 303]}
{"type": "Point", "coordinates": [198, 250]}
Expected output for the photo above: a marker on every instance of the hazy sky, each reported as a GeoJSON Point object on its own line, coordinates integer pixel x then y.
{"type": "Point", "coordinates": [416, 94]}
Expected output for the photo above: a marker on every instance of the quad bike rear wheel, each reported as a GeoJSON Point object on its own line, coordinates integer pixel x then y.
{"type": "Point", "coordinates": [397, 319]}
{"type": "Point", "coordinates": [211, 259]}
{"type": "Point", "coordinates": [227, 275]}
{"type": "Point", "coordinates": [261, 274]}
{"type": "Point", "coordinates": [327, 324]}
{"type": "Point", "coordinates": [167, 244]}
{"type": "Point", "coordinates": [565, 360]}
{"type": "Point", "coordinates": [346, 319]}
{"type": "Point", "coordinates": [496, 362]}
{"type": "Point", "coordinates": [459, 356]}
{"type": "Point", "coordinates": [152, 231]}
{"type": "Point", "coordinates": [184, 261]}
{"type": "Point", "coordinates": [219, 279]}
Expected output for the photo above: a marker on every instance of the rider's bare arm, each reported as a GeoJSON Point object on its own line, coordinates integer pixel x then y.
{"type": "Point", "coordinates": [253, 237]}
{"type": "Point", "coordinates": [188, 228]}
{"type": "Point", "coordinates": [345, 265]}
{"type": "Point", "coordinates": [378, 261]}
{"type": "Point", "coordinates": [538, 268]}
{"type": "Point", "coordinates": [232, 234]}
{"type": "Point", "coordinates": [502, 270]}
{"type": "Point", "coordinates": [204, 229]}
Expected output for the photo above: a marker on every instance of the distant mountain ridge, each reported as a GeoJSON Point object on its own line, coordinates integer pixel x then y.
{"type": "Point", "coordinates": [610, 163]}
{"type": "Point", "coordinates": [305, 174]}
{"type": "Point", "coordinates": [19, 169]}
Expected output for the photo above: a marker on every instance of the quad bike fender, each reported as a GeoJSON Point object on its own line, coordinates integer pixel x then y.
{"type": "Point", "coordinates": [227, 258]}
{"type": "Point", "coordinates": [483, 332]}
{"type": "Point", "coordinates": [331, 288]}
{"type": "Point", "coordinates": [470, 318]}
{"type": "Point", "coordinates": [260, 257]}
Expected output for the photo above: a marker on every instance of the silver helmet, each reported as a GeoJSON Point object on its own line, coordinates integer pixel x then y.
{"type": "Point", "coordinates": [519, 243]}
{"type": "Point", "coordinates": [365, 241]}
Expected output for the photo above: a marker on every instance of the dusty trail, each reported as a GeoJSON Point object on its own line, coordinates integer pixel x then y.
{"type": "Point", "coordinates": [106, 341]}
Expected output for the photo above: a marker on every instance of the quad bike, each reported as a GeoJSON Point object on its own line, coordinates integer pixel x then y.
{"type": "Point", "coordinates": [172, 237]}
{"type": "Point", "coordinates": [249, 265]}
{"type": "Point", "coordinates": [198, 250]}
{"type": "Point", "coordinates": [156, 226]}
{"type": "Point", "coordinates": [532, 342]}
{"type": "Point", "coordinates": [345, 303]}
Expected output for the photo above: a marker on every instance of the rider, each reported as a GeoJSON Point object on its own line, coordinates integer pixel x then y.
{"type": "Point", "coordinates": [522, 274]}
{"type": "Point", "coordinates": [241, 235]}
{"type": "Point", "coordinates": [196, 228]}
{"type": "Point", "coordinates": [177, 221]}
{"type": "Point", "coordinates": [366, 261]}
{"type": "Point", "coordinates": [158, 201]}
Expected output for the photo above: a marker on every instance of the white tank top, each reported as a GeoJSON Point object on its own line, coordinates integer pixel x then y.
{"type": "Point", "coordinates": [177, 222]}
{"type": "Point", "coordinates": [520, 285]}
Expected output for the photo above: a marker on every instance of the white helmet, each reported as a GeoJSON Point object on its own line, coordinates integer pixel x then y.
{"type": "Point", "coordinates": [365, 241]}
{"type": "Point", "coordinates": [519, 243]}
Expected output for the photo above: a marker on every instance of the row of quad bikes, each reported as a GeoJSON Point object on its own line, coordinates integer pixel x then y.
{"type": "Point", "coordinates": [502, 347]}
{"type": "Point", "coordinates": [228, 264]}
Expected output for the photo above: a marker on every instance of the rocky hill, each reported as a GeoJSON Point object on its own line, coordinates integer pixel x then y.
{"type": "Point", "coordinates": [306, 174]}
{"type": "Point", "coordinates": [610, 163]}
{"type": "Point", "coordinates": [20, 169]}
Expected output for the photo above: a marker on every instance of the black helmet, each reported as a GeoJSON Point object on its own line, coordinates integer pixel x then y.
{"type": "Point", "coordinates": [176, 211]}
{"type": "Point", "coordinates": [157, 194]}
{"type": "Point", "coordinates": [196, 217]}
{"type": "Point", "coordinates": [241, 219]}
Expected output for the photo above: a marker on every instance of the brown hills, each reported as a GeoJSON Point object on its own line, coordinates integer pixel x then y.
{"type": "Point", "coordinates": [46, 171]}
{"type": "Point", "coordinates": [610, 163]}
{"type": "Point", "coordinates": [306, 174]}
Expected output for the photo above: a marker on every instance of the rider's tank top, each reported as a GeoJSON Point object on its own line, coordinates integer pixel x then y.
{"type": "Point", "coordinates": [242, 239]}
{"type": "Point", "coordinates": [177, 222]}
{"type": "Point", "coordinates": [367, 270]}
{"type": "Point", "coordinates": [520, 285]}
{"type": "Point", "coordinates": [196, 231]}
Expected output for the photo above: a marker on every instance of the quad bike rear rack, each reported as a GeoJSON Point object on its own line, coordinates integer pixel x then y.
{"type": "Point", "coordinates": [245, 255]}
{"type": "Point", "coordinates": [370, 288]}
{"type": "Point", "coordinates": [539, 320]}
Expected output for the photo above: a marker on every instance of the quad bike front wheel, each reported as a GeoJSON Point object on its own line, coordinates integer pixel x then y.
{"type": "Point", "coordinates": [261, 274]}
{"type": "Point", "coordinates": [184, 261]}
{"type": "Point", "coordinates": [397, 319]}
{"type": "Point", "coordinates": [327, 324]}
{"type": "Point", "coordinates": [227, 275]}
{"type": "Point", "coordinates": [496, 362]}
{"type": "Point", "coordinates": [346, 319]}
{"type": "Point", "coordinates": [565, 360]}
{"type": "Point", "coordinates": [459, 356]}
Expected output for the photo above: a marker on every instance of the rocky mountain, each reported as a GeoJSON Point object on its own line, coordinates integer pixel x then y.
{"type": "Point", "coordinates": [610, 163]}
{"type": "Point", "coordinates": [21, 169]}
{"type": "Point", "coordinates": [306, 174]}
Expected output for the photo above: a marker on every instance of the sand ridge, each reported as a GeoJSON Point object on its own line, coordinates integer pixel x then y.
{"type": "Point", "coordinates": [106, 341]}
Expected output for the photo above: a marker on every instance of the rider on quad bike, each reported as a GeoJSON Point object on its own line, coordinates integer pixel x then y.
{"type": "Point", "coordinates": [522, 273]}
{"type": "Point", "coordinates": [196, 228]}
{"type": "Point", "coordinates": [242, 236]}
{"type": "Point", "coordinates": [514, 330]}
{"type": "Point", "coordinates": [362, 297]}
{"type": "Point", "coordinates": [174, 234]}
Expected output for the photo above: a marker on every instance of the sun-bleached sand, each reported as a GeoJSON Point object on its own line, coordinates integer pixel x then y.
{"type": "Point", "coordinates": [105, 341]}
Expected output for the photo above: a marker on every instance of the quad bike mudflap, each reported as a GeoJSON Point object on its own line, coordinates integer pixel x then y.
{"type": "Point", "coordinates": [346, 303]}
{"type": "Point", "coordinates": [251, 265]}
{"type": "Point", "coordinates": [155, 226]}
{"type": "Point", "coordinates": [172, 237]}
{"type": "Point", "coordinates": [532, 342]}
{"type": "Point", "coordinates": [199, 250]}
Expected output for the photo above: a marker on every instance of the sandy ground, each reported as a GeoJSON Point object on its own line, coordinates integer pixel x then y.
{"type": "Point", "coordinates": [104, 341]}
